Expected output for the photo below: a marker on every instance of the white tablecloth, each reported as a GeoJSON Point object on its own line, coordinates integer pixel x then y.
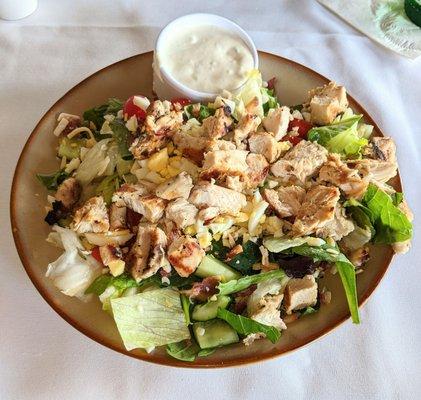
{"type": "Point", "coordinates": [42, 357]}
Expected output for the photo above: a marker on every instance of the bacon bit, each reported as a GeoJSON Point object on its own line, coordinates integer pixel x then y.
{"type": "Point", "coordinates": [271, 83]}
{"type": "Point", "coordinates": [202, 291]}
{"type": "Point", "coordinates": [238, 249]}
{"type": "Point", "coordinates": [241, 298]}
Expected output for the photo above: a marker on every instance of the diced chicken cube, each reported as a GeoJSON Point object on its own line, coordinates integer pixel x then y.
{"type": "Point", "coordinates": [180, 186]}
{"type": "Point", "coordinates": [317, 209]}
{"type": "Point", "coordinates": [257, 171]}
{"type": "Point", "coordinates": [163, 119]}
{"type": "Point", "coordinates": [286, 201]}
{"type": "Point", "coordinates": [134, 197]}
{"type": "Point", "coordinates": [277, 121]}
{"type": "Point", "coordinates": [339, 227]}
{"type": "Point", "coordinates": [185, 254]}
{"type": "Point", "coordinates": [147, 254]}
{"type": "Point", "coordinates": [268, 312]}
{"type": "Point", "coordinates": [92, 217]}
{"type": "Point", "coordinates": [117, 217]}
{"type": "Point", "coordinates": [208, 214]}
{"type": "Point", "coordinates": [193, 147]}
{"type": "Point", "coordinates": [207, 194]}
{"type": "Point", "coordinates": [220, 145]}
{"type": "Point", "coordinates": [112, 258]}
{"type": "Point", "coordinates": [348, 180]}
{"type": "Point", "coordinates": [300, 293]}
{"type": "Point", "coordinates": [326, 103]}
{"type": "Point", "coordinates": [221, 163]}
{"type": "Point", "coordinates": [69, 193]}
{"type": "Point", "coordinates": [300, 163]}
{"type": "Point", "coordinates": [264, 143]}
{"type": "Point", "coordinates": [181, 212]}
{"type": "Point", "coordinates": [247, 125]}
{"type": "Point", "coordinates": [218, 124]}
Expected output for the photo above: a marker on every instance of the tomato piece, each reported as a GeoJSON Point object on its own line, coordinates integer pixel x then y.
{"type": "Point", "coordinates": [131, 109]}
{"type": "Point", "coordinates": [182, 101]}
{"type": "Point", "coordinates": [302, 125]}
{"type": "Point", "coordinates": [95, 254]}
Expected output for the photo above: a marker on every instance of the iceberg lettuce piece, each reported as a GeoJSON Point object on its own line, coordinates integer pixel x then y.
{"type": "Point", "coordinates": [249, 91]}
{"type": "Point", "coordinates": [148, 319]}
{"type": "Point", "coordinates": [71, 273]}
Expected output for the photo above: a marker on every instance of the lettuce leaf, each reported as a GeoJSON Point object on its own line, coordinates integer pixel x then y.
{"type": "Point", "coordinates": [96, 114]}
{"type": "Point", "coordinates": [71, 273]}
{"type": "Point", "coordinates": [121, 135]}
{"type": "Point", "coordinates": [148, 319]}
{"type": "Point", "coordinates": [52, 181]}
{"type": "Point", "coordinates": [340, 137]}
{"type": "Point", "coordinates": [251, 90]}
{"type": "Point", "coordinates": [245, 326]}
{"type": "Point", "coordinates": [269, 99]}
{"type": "Point", "coordinates": [186, 350]}
{"type": "Point", "coordinates": [204, 112]}
{"type": "Point", "coordinates": [236, 285]}
{"type": "Point", "coordinates": [390, 223]}
{"type": "Point", "coordinates": [277, 245]}
{"type": "Point", "coordinates": [107, 187]}
{"type": "Point", "coordinates": [345, 268]}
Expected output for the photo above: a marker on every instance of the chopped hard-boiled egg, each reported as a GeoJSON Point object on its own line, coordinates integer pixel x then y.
{"type": "Point", "coordinates": [158, 161]}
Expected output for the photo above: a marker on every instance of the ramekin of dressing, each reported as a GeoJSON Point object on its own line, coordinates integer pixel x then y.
{"type": "Point", "coordinates": [197, 56]}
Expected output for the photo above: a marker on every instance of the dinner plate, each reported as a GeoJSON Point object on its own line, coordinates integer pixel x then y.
{"type": "Point", "coordinates": [122, 79]}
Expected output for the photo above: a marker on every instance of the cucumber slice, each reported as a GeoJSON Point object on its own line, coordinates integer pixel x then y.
{"type": "Point", "coordinates": [210, 266]}
{"type": "Point", "coordinates": [413, 11]}
{"type": "Point", "coordinates": [214, 333]}
{"type": "Point", "coordinates": [207, 311]}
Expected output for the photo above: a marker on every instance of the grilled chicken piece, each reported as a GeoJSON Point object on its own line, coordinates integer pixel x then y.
{"type": "Point", "coordinates": [208, 214]}
{"type": "Point", "coordinates": [112, 258]}
{"type": "Point", "coordinates": [300, 163]}
{"type": "Point", "coordinates": [69, 193]}
{"type": "Point", "coordinates": [221, 163]}
{"type": "Point", "coordinates": [92, 216]}
{"type": "Point", "coordinates": [228, 201]}
{"type": "Point", "coordinates": [192, 147]}
{"type": "Point", "coordinates": [268, 313]}
{"type": "Point", "coordinates": [247, 125]}
{"type": "Point", "coordinates": [117, 217]}
{"type": "Point", "coordinates": [214, 145]}
{"type": "Point", "coordinates": [217, 125]}
{"type": "Point", "coordinates": [147, 254]}
{"type": "Point", "coordinates": [285, 201]}
{"type": "Point", "coordinates": [317, 209]}
{"type": "Point", "coordinates": [360, 256]}
{"type": "Point", "coordinates": [185, 254]}
{"type": "Point", "coordinates": [348, 180]}
{"type": "Point", "coordinates": [264, 143]}
{"type": "Point", "coordinates": [339, 227]}
{"type": "Point", "coordinates": [326, 103]}
{"type": "Point", "coordinates": [277, 121]}
{"type": "Point", "coordinates": [257, 171]}
{"type": "Point", "coordinates": [180, 186]}
{"type": "Point", "coordinates": [181, 212]}
{"type": "Point", "coordinates": [382, 163]}
{"type": "Point", "coordinates": [300, 293]}
{"type": "Point", "coordinates": [144, 146]}
{"type": "Point", "coordinates": [135, 198]}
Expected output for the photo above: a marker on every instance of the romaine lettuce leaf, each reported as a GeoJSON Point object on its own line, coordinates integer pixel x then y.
{"type": "Point", "coordinates": [277, 245]}
{"type": "Point", "coordinates": [269, 99]}
{"type": "Point", "coordinates": [186, 350]}
{"type": "Point", "coordinates": [52, 181]}
{"type": "Point", "coordinates": [340, 137]}
{"type": "Point", "coordinates": [121, 135]}
{"type": "Point", "coordinates": [203, 112]}
{"type": "Point", "coordinates": [245, 326]}
{"type": "Point", "coordinates": [236, 285]}
{"type": "Point", "coordinates": [390, 223]}
{"type": "Point", "coordinates": [107, 187]}
{"type": "Point", "coordinates": [251, 90]}
{"type": "Point", "coordinates": [96, 114]}
{"type": "Point", "coordinates": [148, 319]}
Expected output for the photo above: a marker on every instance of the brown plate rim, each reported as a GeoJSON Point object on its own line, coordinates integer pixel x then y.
{"type": "Point", "coordinates": [201, 363]}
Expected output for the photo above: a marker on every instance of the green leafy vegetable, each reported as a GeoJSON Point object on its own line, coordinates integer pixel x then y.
{"type": "Point", "coordinates": [107, 187]}
{"type": "Point", "coordinates": [121, 135]}
{"type": "Point", "coordinates": [148, 319]}
{"type": "Point", "coordinates": [308, 310]}
{"type": "Point", "coordinates": [237, 285]}
{"type": "Point", "coordinates": [185, 303]}
{"type": "Point", "coordinates": [277, 245]}
{"type": "Point", "coordinates": [269, 99]}
{"type": "Point", "coordinates": [200, 113]}
{"type": "Point", "coordinates": [99, 285]}
{"type": "Point", "coordinates": [70, 148]}
{"type": "Point", "coordinates": [360, 214]}
{"type": "Point", "coordinates": [344, 266]}
{"type": "Point", "coordinates": [397, 198]}
{"type": "Point", "coordinates": [242, 262]}
{"type": "Point", "coordinates": [186, 350]}
{"type": "Point", "coordinates": [52, 181]}
{"type": "Point", "coordinates": [96, 114]}
{"type": "Point", "coordinates": [340, 137]}
{"type": "Point", "coordinates": [206, 352]}
{"type": "Point", "coordinates": [390, 223]}
{"type": "Point", "coordinates": [246, 326]}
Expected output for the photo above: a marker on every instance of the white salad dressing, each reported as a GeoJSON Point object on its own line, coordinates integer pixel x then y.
{"type": "Point", "coordinates": [207, 58]}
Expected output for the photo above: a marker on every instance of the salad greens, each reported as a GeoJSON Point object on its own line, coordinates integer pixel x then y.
{"type": "Point", "coordinates": [187, 350]}
{"type": "Point", "coordinates": [107, 187]}
{"type": "Point", "coordinates": [149, 319]}
{"type": "Point", "coordinates": [121, 135]}
{"type": "Point", "coordinates": [201, 114]}
{"type": "Point", "coordinates": [96, 114]}
{"type": "Point", "coordinates": [246, 326]}
{"type": "Point", "coordinates": [52, 181]}
{"type": "Point", "coordinates": [340, 137]}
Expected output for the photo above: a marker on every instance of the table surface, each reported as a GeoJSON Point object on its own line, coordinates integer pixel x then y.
{"type": "Point", "coordinates": [42, 357]}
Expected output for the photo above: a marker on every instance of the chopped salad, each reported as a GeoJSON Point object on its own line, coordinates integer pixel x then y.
{"type": "Point", "coordinates": [202, 225]}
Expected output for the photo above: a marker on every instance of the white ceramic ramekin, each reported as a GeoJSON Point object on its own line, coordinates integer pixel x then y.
{"type": "Point", "coordinates": [165, 86]}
